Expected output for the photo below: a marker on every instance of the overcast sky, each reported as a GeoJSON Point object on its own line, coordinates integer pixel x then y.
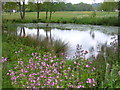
{"type": "Point", "coordinates": [74, 1]}
{"type": "Point", "coordinates": [79, 1]}
{"type": "Point", "coordinates": [84, 1]}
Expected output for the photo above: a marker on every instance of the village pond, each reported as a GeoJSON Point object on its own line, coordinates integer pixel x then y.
{"type": "Point", "coordinates": [90, 38]}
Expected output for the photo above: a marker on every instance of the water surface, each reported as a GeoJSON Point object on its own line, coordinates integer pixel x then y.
{"type": "Point", "coordinates": [90, 37]}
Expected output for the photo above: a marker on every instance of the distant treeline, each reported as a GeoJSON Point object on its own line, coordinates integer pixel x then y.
{"type": "Point", "coordinates": [72, 7]}
{"type": "Point", "coordinates": [58, 6]}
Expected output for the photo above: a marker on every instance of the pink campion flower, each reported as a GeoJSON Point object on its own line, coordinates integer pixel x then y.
{"type": "Point", "coordinates": [46, 59]}
{"type": "Point", "coordinates": [34, 74]}
{"type": "Point", "coordinates": [38, 84]}
{"type": "Point", "coordinates": [43, 63]}
{"type": "Point", "coordinates": [79, 86]}
{"type": "Point", "coordinates": [14, 78]}
{"type": "Point", "coordinates": [93, 80]}
{"type": "Point", "coordinates": [56, 63]}
{"type": "Point", "coordinates": [32, 54]}
{"type": "Point", "coordinates": [52, 84]}
{"type": "Point", "coordinates": [10, 70]}
{"type": "Point", "coordinates": [69, 68]}
{"type": "Point", "coordinates": [78, 63]}
{"type": "Point", "coordinates": [26, 71]}
{"type": "Point", "coordinates": [89, 80]}
{"type": "Point", "coordinates": [77, 80]}
{"type": "Point", "coordinates": [23, 86]}
{"type": "Point", "coordinates": [87, 66]}
{"type": "Point", "coordinates": [15, 67]}
{"type": "Point", "coordinates": [44, 55]}
{"type": "Point", "coordinates": [18, 51]}
{"type": "Point", "coordinates": [38, 78]}
{"type": "Point", "coordinates": [12, 74]}
{"type": "Point", "coordinates": [94, 68]}
{"type": "Point", "coordinates": [57, 86]}
{"type": "Point", "coordinates": [20, 62]}
{"type": "Point", "coordinates": [21, 70]}
{"type": "Point", "coordinates": [29, 79]}
{"type": "Point", "coordinates": [42, 76]}
{"type": "Point", "coordinates": [72, 75]}
{"type": "Point", "coordinates": [71, 86]}
{"type": "Point", "coordinates": [3, 59]}
{"type": "Point", "coordinates": [34, 81]}
{"type": "Point", "coordinates": [54, 56]}
{"type": "Point", "coordinates": [7, 74]}
{"type": "Point", "coordinates": [83, 86]}
{"type": "Point", "coordinates": [42, 86]}
{"type": "Point", "coordinates": [60, 67]}
{"type": "Point", "coordinates": [30, 75]}
{"type": "Point", "coordinates": [32, 84]}
{"type": "Point", "coordinates": [20, 48]}
{"type": "Point", "coordinates": [90, 62]}
{"type": "Point", "coordinates": [37, 57]}
{"type": "Point", "coordinates": [75, 62]}
{"type": "Point", "coordinates": [57, 77]}
{"type": "Point", "coordinates": [22, 75]}
{"type": "Point", "coordinates": [61, 63]}
{"type": "Point", "coordinates": [40, 67]}
{"type": "Point", "coordinates": [51, 60]}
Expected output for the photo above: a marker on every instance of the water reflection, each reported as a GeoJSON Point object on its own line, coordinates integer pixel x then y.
{"type": "Point", "coordinates": [22, 32]}
{"type": "Point", "coordinates": [91, 40]}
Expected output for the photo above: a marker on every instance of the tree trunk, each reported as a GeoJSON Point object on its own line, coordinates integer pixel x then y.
{"type": "Point", "coordinates": [38, 10]}
{"type": "Point", "coordinates": [46, 14]}
{"type": "Point", "coordinates": [10, 12]}
{"type": "Point", "coordinates": [23, 31]}
{"type": "Point", "coordinates": [50, 15]}
{"type": "Point", "coordinates": [22, 10]}
{"type": "Point", "coordinates": [37, 32]}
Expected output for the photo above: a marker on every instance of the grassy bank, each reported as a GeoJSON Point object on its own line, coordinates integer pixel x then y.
{"type": "Point", "coordinates": [101, 18]}
{"type": "Point", "coordinates": [27, 65]}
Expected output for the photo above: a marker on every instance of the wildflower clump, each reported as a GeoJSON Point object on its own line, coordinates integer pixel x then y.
{"type": "Point", "coordinates": [48, 71]}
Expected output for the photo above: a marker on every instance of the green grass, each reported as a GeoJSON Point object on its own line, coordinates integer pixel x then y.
{"type": "Point", "coordinates": [105, 77]}
{"type": "Point", "coordinates": [101, 18]}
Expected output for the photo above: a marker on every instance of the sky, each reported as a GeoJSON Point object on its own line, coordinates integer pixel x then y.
{"type": "Point", "coordinates": [84, 1]}
{"type": "Point", "coordinates": [76, 1]}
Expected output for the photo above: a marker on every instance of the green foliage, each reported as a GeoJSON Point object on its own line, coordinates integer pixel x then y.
{"type": "Point", "coordinates": [8, 6]}
{"type": "Point", "coordinates": [101, 18]}
{"type": "Point", "coordinates": [109, 6]}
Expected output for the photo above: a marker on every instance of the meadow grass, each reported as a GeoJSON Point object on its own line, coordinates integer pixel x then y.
{"type": "Point", "coordinates": [16, 52]}
{"type": "Point", "coordinates": [79, 17]}
{"type": "Point", "coordinates": [27, 66]}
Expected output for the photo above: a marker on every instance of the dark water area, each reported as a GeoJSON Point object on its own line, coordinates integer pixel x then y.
{"type": "Point", "coordinates": [91, 38]}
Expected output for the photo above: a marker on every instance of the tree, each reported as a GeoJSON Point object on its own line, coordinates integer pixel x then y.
{"type": "Point", "coordinates": [9, 6]}
{"type": "Point", "coordinates": [108, 6]}
{"type": "Point", "coordinates": [22, 8]}
{"type": "Point", "coordinates": [31, 7]}
{"type": "Point", "coordinates": [50, 6]}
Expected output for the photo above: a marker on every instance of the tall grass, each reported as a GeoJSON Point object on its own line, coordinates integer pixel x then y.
{"type": "Point", "coordinates": [101, 18]}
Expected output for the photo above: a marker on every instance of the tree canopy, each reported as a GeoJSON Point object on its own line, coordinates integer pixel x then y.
{"type": "Point", "coordinates": [109, 6]}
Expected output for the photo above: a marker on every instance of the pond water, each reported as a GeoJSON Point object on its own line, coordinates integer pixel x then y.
{"type": "Point", "coordinates": [90, 37]}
